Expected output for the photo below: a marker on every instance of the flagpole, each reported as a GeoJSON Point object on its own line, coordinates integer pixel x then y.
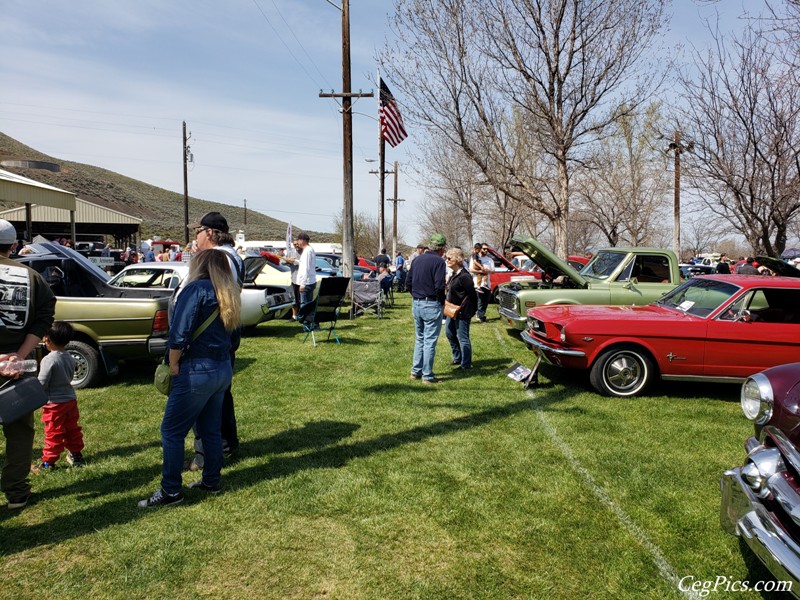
{"type": "Point", "coordinates": [382, 176]}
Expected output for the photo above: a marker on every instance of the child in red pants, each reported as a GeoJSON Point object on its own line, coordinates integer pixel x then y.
{"type": "Point", "coordinates": [60, 414]}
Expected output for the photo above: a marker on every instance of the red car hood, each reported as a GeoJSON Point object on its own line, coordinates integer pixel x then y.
{"type": "Point", "coordinates": [563, 314]}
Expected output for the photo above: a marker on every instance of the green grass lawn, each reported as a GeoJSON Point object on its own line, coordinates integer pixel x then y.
{"type": "Point", "coordinates": [355, 482]}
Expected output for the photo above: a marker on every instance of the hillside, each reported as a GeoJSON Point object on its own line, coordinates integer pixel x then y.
{"type": "Point", "coordinates": [160, 209]}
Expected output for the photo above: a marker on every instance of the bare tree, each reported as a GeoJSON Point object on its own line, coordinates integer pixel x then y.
{"type": "Point", "coordinates": [511, 80]}
{"type": "Point", "coordinates": [623, 195]}
{"type": "Point", "coordinates": [743, 113]}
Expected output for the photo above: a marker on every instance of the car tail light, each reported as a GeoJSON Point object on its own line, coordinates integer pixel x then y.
{"type": "Point", "coordinates": [160, 322]}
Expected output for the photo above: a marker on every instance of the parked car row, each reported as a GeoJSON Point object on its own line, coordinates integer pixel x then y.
{"type": "Point", "coordinates": [125, 318]}
{"type": "Point", "coordinates": [716, 328]}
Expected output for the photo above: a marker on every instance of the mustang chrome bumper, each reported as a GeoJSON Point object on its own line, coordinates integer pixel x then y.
{"type": "Point", "coordinates": [742, 513]}
{"type": "Point", "coordinates": [541, 346]}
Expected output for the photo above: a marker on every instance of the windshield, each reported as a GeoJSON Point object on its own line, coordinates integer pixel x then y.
{"type": "Point", "coordinates": [603, 265]}
{"type": "Point", "coordinates": [699, 297]}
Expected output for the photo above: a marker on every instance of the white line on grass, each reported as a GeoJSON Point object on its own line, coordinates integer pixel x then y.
{"type": "Point", "coordinates": [664, 568]}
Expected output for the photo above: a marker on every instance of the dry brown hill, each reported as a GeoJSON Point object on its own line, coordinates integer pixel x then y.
{"type": "Point", "coordinates": [160, 209]}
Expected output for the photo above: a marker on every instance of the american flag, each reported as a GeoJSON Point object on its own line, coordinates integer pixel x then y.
{"type": "Point", "coordinates": [392, 128]}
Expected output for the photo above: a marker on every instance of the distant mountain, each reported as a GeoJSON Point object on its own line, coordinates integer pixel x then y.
{"type": "Point", "coordinates": [160, 209]}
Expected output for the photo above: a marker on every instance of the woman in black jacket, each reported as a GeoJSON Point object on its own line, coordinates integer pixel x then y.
{"type": "Point", "coordinates": [461, 291]}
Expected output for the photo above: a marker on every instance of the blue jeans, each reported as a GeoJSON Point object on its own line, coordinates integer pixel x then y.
{"type": "Point", "coordinates": [484, 295]}
{"type": "Point", "coordinates": [307, 295]}
{"type": "Point", "coordinates": [427, 323]}
{"type": "Point", "coordinates": [196, 396]}
{"type": "Point", "coordinates": [457, 331]}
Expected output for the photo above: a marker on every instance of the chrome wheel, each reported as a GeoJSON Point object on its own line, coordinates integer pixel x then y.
{"type": "Point", "coordinates": [622, 371]}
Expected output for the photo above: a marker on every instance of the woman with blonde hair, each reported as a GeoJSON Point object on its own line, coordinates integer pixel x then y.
{"type": "Point", "coordinates": [207, 310]}
{"type": "Point", "coordinates": [460, 290]}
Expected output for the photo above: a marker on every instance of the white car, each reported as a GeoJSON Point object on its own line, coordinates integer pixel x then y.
{"type": "Point", "coordinates": [260, 302]}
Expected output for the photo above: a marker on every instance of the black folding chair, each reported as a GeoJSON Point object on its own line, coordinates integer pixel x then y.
{"type": "Point", "coordinates": [324, 309]}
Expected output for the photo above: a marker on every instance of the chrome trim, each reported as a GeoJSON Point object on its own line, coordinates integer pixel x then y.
{"type": "Point", "coordinates": [704, 378]}
{"type": "Point", "coordinates": [743, 514]}
{"type": "Point", "coordinates": [766, 400]}
{"type": "Point", "coordinates": [268, 309]}
{"type": "Point", "coordinates": [510, 314]}
{"type": "Point", "coordinates": [545, 348]}
{"type": "Point", "coordinates": [782, 443]}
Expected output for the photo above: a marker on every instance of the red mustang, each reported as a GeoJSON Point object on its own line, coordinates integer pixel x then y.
{"type": "Point", "coordinates": [719, 328]}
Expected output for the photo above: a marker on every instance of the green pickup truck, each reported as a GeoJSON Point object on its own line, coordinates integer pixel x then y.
{"type": "Point", "coordinates": [111, 323]}
{"type": "Point", "coordinates": [614, 276]}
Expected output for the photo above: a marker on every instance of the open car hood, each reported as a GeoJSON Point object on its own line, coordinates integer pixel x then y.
{"type": "Point", "coordinates": [777, 266]}
{"type": "Point", "coordinates": [549, 262]}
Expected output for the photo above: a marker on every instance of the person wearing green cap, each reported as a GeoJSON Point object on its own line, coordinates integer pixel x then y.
{"type": "Point", "coordinates": [426, 282]}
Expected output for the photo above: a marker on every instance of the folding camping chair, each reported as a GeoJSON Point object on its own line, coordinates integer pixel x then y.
{"type": "Point", "coordinates": [324, 309]}
{"type": "Point", "coordinates": [367, 297]}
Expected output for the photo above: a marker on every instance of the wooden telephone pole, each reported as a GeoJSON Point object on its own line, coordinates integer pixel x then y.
{"type": "Point", "coordinates": [185, 186]}
{"type": "Point", "coordinates": [348, 232]}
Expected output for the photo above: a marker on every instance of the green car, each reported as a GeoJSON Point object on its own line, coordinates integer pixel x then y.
{"type": "Point", "coordinates": [614, 276]}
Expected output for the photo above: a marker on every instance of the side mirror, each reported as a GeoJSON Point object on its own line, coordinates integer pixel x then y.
{"type": "Point", "coordinates": [744, 316]}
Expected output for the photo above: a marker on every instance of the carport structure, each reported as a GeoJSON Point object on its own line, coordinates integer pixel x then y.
{"type": "Point", "coordinates": [55, 213]}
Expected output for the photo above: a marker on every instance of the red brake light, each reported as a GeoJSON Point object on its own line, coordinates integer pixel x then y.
{"type": "Point", "coordinates": [160, 322]}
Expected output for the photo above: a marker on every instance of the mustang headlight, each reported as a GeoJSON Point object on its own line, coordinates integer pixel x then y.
{"type": "Point", "coordinates": [757, 398]}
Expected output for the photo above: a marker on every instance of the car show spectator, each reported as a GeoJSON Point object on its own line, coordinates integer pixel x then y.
{"type": "Point", "coordinates": [747, 267]}
{"type": "Point", "coordinates": [307, 269]}
{"type": "Point", "coordinates": [60, 415]}
{"type": "Point", "coordinates": [382, 259]}
{"type": "Point", "coordinates": [460, 290]}
{"type": "Point", "coordinates": [426, 282]}
{"type": "Point", "coordinates": [201, 370]}
{"type": "Point", "coordinates": [481, 270]}
{"type": "Point", "coordinates": [723, 266]}
{"type": "Point", "coordinates": [212, 233]}
{"type": "Point", "coordinates": [22, 330]}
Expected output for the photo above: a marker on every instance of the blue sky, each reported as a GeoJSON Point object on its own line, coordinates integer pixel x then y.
{"type": "Point", "coordinates": [109, 84]}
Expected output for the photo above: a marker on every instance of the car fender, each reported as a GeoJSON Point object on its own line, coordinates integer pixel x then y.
{"type": "Point", "coordinates": [593, 353]}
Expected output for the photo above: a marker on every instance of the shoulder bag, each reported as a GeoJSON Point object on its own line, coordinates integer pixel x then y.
{"type": "Point", "coordinates": [162, 379]}
{"type": "Point", "coordinates": [450, 308]}
{"type": "Point", "coordinates": [19, 397]}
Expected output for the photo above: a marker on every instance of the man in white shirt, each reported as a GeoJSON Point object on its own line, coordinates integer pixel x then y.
{"type": "Point", "coordinates": [481, 265]}
{"type": "Point", "coordinates": [307, 269]}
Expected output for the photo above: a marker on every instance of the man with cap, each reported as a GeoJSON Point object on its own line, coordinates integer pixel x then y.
{"type": "Point", "coordinates": [23, 324]}
{"type": "Point", "coordinates": [426, 281]}
{"type": "Point", "coordinates": [211, 232]}
{"type": "Point", "coordinates": [307, 269]}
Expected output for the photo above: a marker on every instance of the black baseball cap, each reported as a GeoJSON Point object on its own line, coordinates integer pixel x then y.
{"type": "Point", "coordinates": [212, 220]}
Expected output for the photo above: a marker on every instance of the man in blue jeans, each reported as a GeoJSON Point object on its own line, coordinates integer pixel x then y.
{"type": "Point", "coordinates": [425, 281]}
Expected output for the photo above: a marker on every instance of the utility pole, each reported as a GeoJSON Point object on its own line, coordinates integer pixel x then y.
{"type": "Point", "coordinates": [678, 148]}
{"type": "Point", "coordinates": [185, 186]}
{"type": "Point", "coordinates": [395, 200]}
{"type": "Point", "coordinates": [348, 232]}
{"type": "Point", "coordinates": [245, 212]}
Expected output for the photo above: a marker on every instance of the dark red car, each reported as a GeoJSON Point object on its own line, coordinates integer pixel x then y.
{"type": "Point", "coordinates": [720, 328]}
{"type": "Point", "coordinates": [761, 499]}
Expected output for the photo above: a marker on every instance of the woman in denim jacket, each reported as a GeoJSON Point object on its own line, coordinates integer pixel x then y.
{"type": "Point", "coordinates": [201, 372]}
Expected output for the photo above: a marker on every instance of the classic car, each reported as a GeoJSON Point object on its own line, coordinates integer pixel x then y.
{"type": "Point", "coordinates": [761, 499]}
{"type": "Point", "coordinates": [613, 276]}
{"type": "Point", "coordinates": [259, 302]}
{"type": "Point", "coordinates": [720, 328]}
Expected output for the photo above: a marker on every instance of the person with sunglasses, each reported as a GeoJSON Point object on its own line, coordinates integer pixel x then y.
{"type": "Point", "coordinates": [482, 266]}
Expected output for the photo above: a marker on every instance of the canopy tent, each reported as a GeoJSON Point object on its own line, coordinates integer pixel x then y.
{"type": "Point", "coordinates": [21, 190]}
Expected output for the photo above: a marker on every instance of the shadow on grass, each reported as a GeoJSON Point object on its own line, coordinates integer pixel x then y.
{"type": "Point", "coordinates": [312, 435]}
{"type": "Point", "coordinates": [123, 450]}
{"type": "Point", "coordinates": [340, 455]}
{"type": "Point", "coordinates": [20, 537]}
